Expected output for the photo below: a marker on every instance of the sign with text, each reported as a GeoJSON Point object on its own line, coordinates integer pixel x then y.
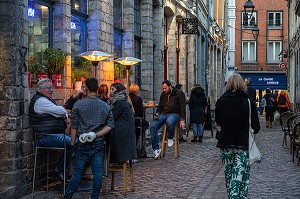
{"type": "Point", "coordinates": [267, 80]}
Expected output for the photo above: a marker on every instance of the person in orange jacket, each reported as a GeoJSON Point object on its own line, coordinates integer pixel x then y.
{"type": "Point", "coordinates": [283, 102]}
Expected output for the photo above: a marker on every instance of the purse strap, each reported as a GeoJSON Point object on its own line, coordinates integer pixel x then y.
{"type": "Point", "coordinates": [249, 113]}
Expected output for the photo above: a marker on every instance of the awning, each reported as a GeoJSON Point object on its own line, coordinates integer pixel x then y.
{"type": "Point", "coordinates": [262, 81]}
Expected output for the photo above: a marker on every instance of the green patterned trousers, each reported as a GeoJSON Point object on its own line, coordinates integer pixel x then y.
{"type": "Point", "coordinates": [237, 171]}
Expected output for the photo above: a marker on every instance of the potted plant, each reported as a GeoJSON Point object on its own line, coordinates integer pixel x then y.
{"type": "Point", "coordinates": [55, 61]}
{"type": "Point", "coordinates": [35, 68]}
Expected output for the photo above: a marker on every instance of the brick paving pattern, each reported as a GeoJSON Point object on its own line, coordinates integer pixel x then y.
{"type": "Point", "coordinates": [198, 173]}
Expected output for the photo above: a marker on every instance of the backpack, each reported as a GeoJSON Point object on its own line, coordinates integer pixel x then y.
{"type": "Point", "coordinates": [281, 99]}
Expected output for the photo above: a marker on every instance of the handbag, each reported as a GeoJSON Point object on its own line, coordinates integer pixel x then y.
{"type": "Point", "coordinates": [254, 153]}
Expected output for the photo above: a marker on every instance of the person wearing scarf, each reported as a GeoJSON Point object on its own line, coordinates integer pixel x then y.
{"type": "Point", "coordinates": [122, 138]}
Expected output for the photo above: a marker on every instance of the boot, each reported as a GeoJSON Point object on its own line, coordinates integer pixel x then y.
{"type": "Point", "coordinates": [267, 124]}
{"type": "Point", "coordinates": [194, 139]}
{"type": "Point", "coordinates": [200, 139]}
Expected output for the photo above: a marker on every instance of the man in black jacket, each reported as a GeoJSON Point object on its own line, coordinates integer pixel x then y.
{"type": "Point", "coordinates": [170, 110]}
{"type": "Point", "coordinates": [47, 117]}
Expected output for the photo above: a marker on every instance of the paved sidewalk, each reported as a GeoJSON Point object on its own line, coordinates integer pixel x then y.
{"type": "Point", "coordinates": [198, 173]}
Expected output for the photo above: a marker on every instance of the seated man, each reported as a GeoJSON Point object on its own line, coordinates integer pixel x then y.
{"type": "Point", "coordinates": [47, 117]}
{"type": "Point", "coordinates": [170, 110]}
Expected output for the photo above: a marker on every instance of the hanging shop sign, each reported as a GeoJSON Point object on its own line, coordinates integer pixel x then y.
{"type": "Point", "coordinates": [190, 26]}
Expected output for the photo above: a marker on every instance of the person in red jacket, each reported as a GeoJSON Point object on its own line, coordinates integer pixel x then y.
{"type": "Point", "coordinates": [283, 102]}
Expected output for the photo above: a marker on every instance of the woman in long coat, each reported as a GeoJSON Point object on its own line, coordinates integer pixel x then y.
{"type": "Point", "coordinates": [232, 118]}
{"type": "Point", "coordinates": [197, 106]}
{"type": "Point", "coordinates": [122, 138]}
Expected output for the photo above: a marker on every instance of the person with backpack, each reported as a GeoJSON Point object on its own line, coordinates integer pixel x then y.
{"type": "Point", "coordinates": [283, 102]}
{"type": "Point", "coordinates": [269, 108]}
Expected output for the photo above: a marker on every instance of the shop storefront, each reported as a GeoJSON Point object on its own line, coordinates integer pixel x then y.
{"type": "Point", "coordinates": [262, 81]}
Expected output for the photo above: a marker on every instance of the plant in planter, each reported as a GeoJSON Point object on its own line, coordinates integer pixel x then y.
{"type": "Point", "coordinates": [55, 60]}
{"type": "Point", "coordinates": [34, 67]}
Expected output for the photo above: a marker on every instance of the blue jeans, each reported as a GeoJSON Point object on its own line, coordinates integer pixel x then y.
{"type": "Point", "coordinates": [92, 152]}
{"type": "Point", "coordinates": [197, 128]}
{"type": "Point", "coordinates": [170, 120]}
{"type": "Point", "coordinates": [57, 141]}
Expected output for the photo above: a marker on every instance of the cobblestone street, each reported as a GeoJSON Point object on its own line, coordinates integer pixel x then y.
{"type": "Point", "coordinates": [198, 172]}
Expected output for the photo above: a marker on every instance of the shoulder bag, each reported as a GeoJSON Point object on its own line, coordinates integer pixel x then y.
{"type": "Point", "coordinates": [254, 153]}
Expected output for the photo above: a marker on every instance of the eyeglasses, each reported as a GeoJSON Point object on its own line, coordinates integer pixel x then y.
{"type": "Point", "coordinates": [113, 89]}
{"type": "Point", "coordinates": [48, 87]}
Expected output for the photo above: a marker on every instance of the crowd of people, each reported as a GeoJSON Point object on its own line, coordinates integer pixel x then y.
{"type": "Point", "coordinates": [114, 117]}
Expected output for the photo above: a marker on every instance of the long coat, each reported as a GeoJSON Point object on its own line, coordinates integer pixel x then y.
{"type": "Point", "coordinates": [232, 114]}
{"type": "Point", "coordinates": [122, 138]}
{"type": "Point", "coordinates": [197, 105]}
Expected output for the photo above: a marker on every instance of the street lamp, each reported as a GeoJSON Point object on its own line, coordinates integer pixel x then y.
{"type": "Point", "coordinates": [249, 7]}
{"type": "Point", "coordinates": [255, 31]}
{"type": "Point", "coordinates": [95, 57]}
{"type": "Point", "coordinates": [127, 62]}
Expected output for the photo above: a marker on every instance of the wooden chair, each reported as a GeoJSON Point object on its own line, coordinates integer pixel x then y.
{"type": "Point", "coordinates": [122, 167]}
{"type": "Point", "coordinates": [283, 123]}
{"type": "Point", "coordinates": [165, 141]}
{"type": "Point", "coordinates": [296, 142]}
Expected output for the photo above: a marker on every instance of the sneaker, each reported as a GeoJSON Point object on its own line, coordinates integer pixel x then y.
{"type": "Point", "coordinates": [135, 161]}
{"type": "Point", "coordinates": [170, 142]}
{"type": "Point", "coordinates": [157, 153]}
{"type": "Point", "coordinates": [181, 139]}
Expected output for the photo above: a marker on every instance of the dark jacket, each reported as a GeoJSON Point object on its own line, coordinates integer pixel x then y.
{"type": "Point", "coordinates": [137, 103]}
{"type": "Point", "coordinates": [197, 105]}
{"type": "Point", "coordinates": [232, 114]}
{"type": "Point", "coordinates": [122, 138]}
{"type": "Point", "coordinates": [251, 94]}
{"type": "Point", "coordinates": [173, 102]}
{"type": "Point", "coordinates": [45, 123]}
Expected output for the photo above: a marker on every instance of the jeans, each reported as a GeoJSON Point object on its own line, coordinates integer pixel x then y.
{"type": "Point", "coordinates": [57, 141]}
{"type": "Point", "coordinates": [170, 120]}
{"type": "Point", "coordinates": [197, 128]}
{"type": "Point", "coordinates": [92, 152]}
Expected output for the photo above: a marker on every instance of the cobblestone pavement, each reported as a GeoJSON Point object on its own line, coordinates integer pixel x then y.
{"type": "Point", "coordinates": [198, 173]}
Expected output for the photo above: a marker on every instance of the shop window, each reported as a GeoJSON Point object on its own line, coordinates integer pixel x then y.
{"type": "Point", "coordinates": [273, 50]}
{"type": "Point", "coordinates": [40, 30]}
{"type": "Point", "coordinates": [78, 26]}
{"type": "Point", "coordinates": [80, 6]}
{"type": "Point", "coordinates": [118, 8]}
{"type": "Point", "coordinates": [248, 51]}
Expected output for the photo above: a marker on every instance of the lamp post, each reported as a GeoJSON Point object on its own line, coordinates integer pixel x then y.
{"type": "Point", "coordinates": [95, 57]}
{"type": "Point", "coordinates": [127, 62]}
{"type": "Point", "coordinates": [255, 31]}
{"type": "Point", "coordinates": [249, 7]}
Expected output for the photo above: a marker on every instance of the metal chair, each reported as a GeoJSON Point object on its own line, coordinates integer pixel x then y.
{"type": "Point", "coordinates": [48, 148]}
{"type": "Point", "coordinates": [283, 123]}
{"type": "Point", "coordinates": [290, 125]}
{"type": "Point", "coordinates": [296, 142]}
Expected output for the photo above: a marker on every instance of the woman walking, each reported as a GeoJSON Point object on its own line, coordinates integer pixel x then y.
{"type": "Point", "coordinates": [197, 106]}
{"type": "Point", "coordinates": [232, 118]}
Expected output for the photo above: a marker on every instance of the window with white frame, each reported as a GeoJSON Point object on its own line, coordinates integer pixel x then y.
{"type": "Point", "coordinates": [248, 51]}
{"type": "Point", "coordinates": [274, 19]}
{"type": "Point", "coordinates": [249, 22]}
{"type": "Point", "coordinates": [273, 50]}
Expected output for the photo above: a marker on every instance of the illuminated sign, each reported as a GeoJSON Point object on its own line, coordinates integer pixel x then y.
{"type": "Point", "coordinates": [31, 10]}
{"type": "Point", "coordinates": [73, 26]}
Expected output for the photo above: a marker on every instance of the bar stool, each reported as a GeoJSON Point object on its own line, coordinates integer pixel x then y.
{"type": "Point", "coordinates": [113, 168]}
{"type": "Point", "coordinates": [48, 148]}
{"type": "Point", "coordinates": [165, 141]}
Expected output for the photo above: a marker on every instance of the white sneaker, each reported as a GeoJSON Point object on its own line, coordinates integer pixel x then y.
{"type": "Point", "coordinates": [157, 153]}
{"type": "Point", "coordinates": [170, 142]}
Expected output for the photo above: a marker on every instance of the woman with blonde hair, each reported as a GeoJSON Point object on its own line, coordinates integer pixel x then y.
{"type": "Point", "coordinates": [232, 118]}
